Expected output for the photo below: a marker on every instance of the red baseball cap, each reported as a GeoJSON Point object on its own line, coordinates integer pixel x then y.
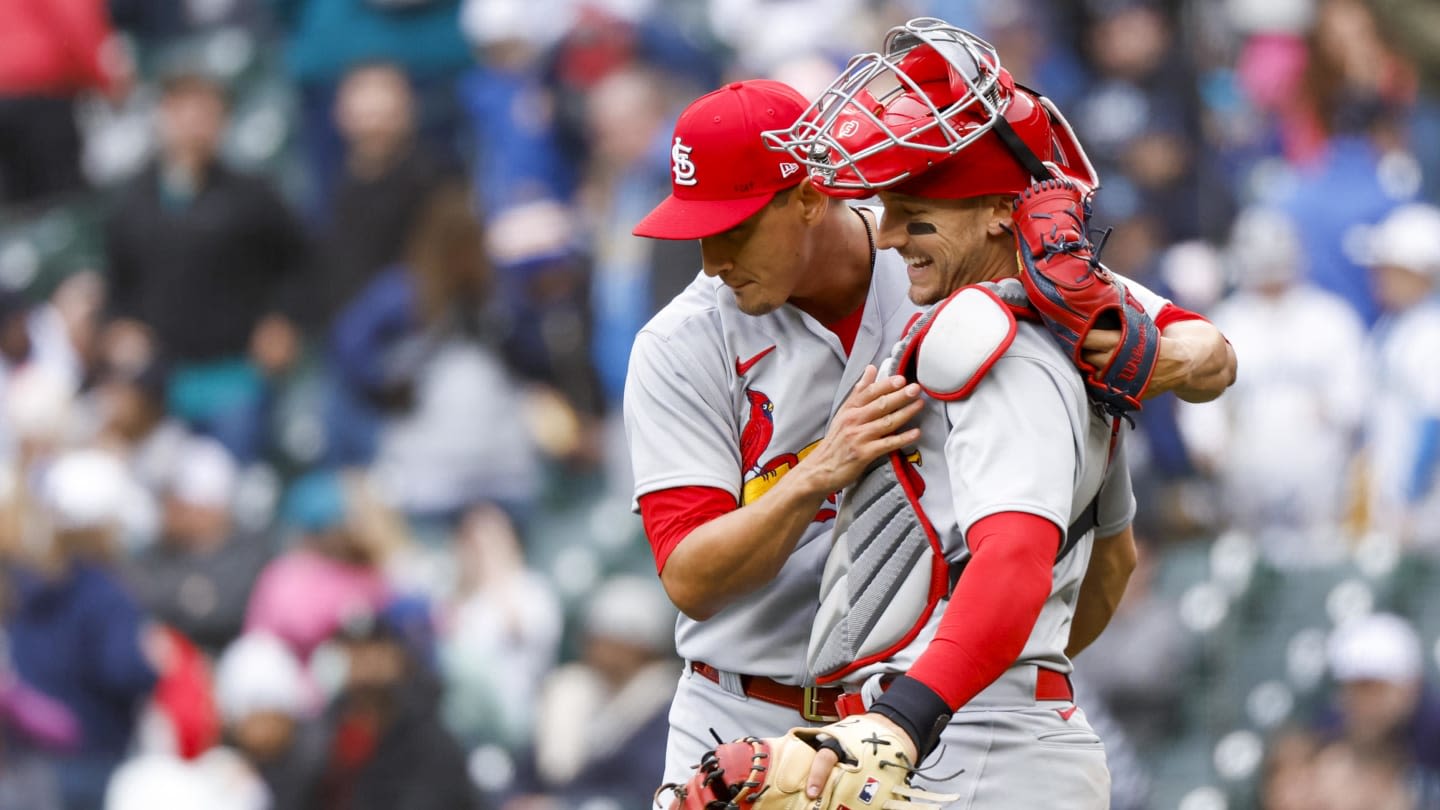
{"type": "Point", "coordinates": [720, 170]}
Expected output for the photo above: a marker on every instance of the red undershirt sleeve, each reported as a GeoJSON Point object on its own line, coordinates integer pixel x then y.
{"type": "Point", "coordinates": [1171, 313]}
{"type": "Point", "coordinates": [990, 616]}
{"type": "Point", "coordinates": [994, 606]}
{"type": "Point", "coordinates": [670, 515]}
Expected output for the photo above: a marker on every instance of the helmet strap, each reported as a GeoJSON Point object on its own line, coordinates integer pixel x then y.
{"type": "Point", "coordinates": [1032, 162]}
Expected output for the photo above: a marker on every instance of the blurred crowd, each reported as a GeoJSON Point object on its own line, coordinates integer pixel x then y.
{"type": "Point", "coordinates": [314, 322]}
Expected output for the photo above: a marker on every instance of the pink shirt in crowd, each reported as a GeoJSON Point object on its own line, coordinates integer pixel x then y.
{"type": "Point", "coordinates": [303, 596]}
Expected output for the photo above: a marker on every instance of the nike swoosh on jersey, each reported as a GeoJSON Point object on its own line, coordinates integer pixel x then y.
{"type": "Point", "coordinates": [744, 366]}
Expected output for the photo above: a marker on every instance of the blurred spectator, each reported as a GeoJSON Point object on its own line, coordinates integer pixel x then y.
{"type": "Point", "coordinates": [543, 289]}
{"type": "Point", "coordinates": [219, 780]}
{"type": "Point", "coordinates": [36, 333]}
{"type": "Point", "coordinates": [630, 170]}
{"type": "Point", "coordinates": [1351, 167]}
{"type": "Point", "coordinates": [764, 34]}
{"type": "Point", "coordinates": [1352, 76]}
{"type": "Point", "coordinates": [34, 336]}
{"type": "Point", "coordinates": [1404, 443]}
{"type": "Point", "coordinates": [127, 404]}
{"type": "Point", "coordinates": [50, 53]}
{"type": "Point", "coordinates": [1282, 439]}
{"type": "Point", "coordinates": [304, 595]}
{"type": "Point", "coordinates": [329, 37]}
{"type": "Point", "coordinates": [1378, 746]}
{"type": "Point", "coordinates": [1137, 119]}
{"type": "Point", "coordinates": [1035, 38]}
{"type": "Point", "coordinates": [75, 634]}
{"type": "Point", "coordinates": [29, 718]}
{"type": "Point", "coordinates": [604, 37]}
{"type": "Point", "coordinates": [265, 700]}
{"type": "Point", "coordinates": [199, 576]}
{"type": "Point", "coordinates": [38, 410]}
{"type": "Point", "coordinates": [124, 412]}
{"type": "Point", "coordinates": [510, 112]}
{"type": "Point", "coordinates": [501, 610]}
{"type": "Point", "coordinates": [619, 691]}
{"type": "Point", "coordinates": [1137, 668]}
{"type": "Point", "coordinates": [1413, 27]}
{"type": "Point", "coordinates": [1301, 773]}
{"type": "Point", "coordinates": [525, 178]}
{"type": "Point", "coordinates": [1384, 707]}
{"type": "Point", "coordinates": [387, 747]}
{"type": "Point", "coordinates": [382, 188]}
{"type": "Point", "coordinates": [1348, 777]}
{"type": "Point", "coordinates": [419, 346]}
{"type": "Point", "coordinates": [217, 294]}
{"type": "Point", "coordinates": [78, 307]}
{"type": "Point", "coordinates": [1327, 200]}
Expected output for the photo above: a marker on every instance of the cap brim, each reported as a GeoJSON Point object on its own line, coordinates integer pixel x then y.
{"type": "Point", "coordinates": [675, 218]}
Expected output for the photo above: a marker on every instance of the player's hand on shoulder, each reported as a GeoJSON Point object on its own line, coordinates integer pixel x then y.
{"type": "Point", "coordinates": [866, 427]}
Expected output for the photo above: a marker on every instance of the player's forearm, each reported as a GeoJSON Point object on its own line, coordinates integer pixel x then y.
{"type": "Point", "coordinates": [1111, 563]}
{"type": "Point", "coordinates": [987, 622]}
{"type": "Point", "coordinates": [1195, 363]}
{"type": "Point", "coordinates": [740, 551]}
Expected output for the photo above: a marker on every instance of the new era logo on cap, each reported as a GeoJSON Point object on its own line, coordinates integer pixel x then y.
{"type": "Point", "coordinates": [721, 171]}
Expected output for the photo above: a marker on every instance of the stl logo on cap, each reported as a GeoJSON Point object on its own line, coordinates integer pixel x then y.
{"type": "Point", "coordinates": [683, 167]}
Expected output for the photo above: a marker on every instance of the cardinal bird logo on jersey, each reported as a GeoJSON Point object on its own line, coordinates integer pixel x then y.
{"type": "Point", "coordinates": [755, 441]}
{"type": "Point", "coordinates": [755, 438]}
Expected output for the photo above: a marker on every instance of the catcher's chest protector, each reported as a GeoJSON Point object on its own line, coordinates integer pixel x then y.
{"type": "Point", "coordinates": [887, 569]}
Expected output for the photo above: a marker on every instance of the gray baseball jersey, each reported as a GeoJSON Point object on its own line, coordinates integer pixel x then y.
{"type": "Point", "coordinates": [718, 398]}
{"type": "Point", "coordinates": [1025, 439]}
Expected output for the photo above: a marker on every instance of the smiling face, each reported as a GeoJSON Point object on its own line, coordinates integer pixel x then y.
{"type": "Point", "coordinates": [948, 244]}
{"type": "Point", "coordinates": [764, 260]}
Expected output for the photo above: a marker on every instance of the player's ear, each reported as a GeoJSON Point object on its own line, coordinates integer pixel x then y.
{"type": "Point", "coordinates": [812, 201]}
{"type": "Point", "coordinates": [1000, 215]}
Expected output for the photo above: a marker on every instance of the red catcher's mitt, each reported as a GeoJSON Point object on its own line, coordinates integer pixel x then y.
{"type": "Point", "coordinates": [1073, 293]}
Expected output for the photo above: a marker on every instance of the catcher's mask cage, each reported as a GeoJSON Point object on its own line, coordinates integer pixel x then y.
{"type": "Point", "coordinates": [823, 139]}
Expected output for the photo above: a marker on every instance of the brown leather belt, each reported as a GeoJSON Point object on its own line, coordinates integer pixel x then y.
{"type": "Point", "coordinates": [826, 704]}
{"type": "Point", "coordinates": [814, 703]}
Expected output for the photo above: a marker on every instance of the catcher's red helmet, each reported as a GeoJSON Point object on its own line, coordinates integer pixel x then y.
{"type": "Point", "coordinates": [941, 91]}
